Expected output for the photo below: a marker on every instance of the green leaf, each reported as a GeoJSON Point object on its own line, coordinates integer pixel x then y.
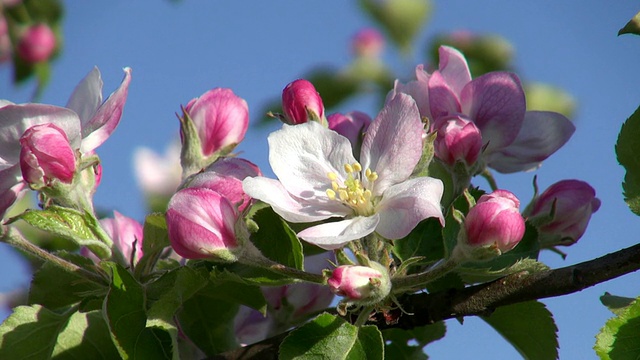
{"type": "Point", "coordinates": [329, 337]}
{"type": "Point", "coordinates": [409, 344]}
{"type": "Point", "coordinates": [272, 230]}
{"type": "Point", "coordinates": [424, 241]}
{"type": "Point", "coordinates": [156, 239]}
{"type": "Point", "coordinates": [255, 275]}
{"type": "Point", "coordinates": [617, 304]}
{"type": "Point", "coordinates": [529, 327]}
{"type": "Point", "coordinates": [231, 287]}
{"type": "Point", "coordinates": [124, 310]}
{"type": "Point", "coordinates": [620, 337]}
{"type": "Point", "coordinates": [69, 224]}
{"type": "Point", "coordinates": [175, 288]}
{"type": "Point", "coordinates": [30, 333]}
{"type": "Point", "coordinates": [632, 27]}
{"type": "Point", "coordinates": [55, 288]}
{"type": "Point", "coordinates": [206, 320]}
{"type": "Point", "coordinates": [33, 332]}
{"type": "Point", "coordinates": [627, 150]}
{"type": "Point", "coordinates": [86, 336]}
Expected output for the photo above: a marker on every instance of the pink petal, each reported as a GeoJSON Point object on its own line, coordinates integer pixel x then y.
{"type": "Point", "coordinates": [418, 90]}
{"type": "Point", "coordinates": [454, 69]}
{"type": "Point", "coordinates": [443, 99]}
{"type": "Point", "coordinates": [496, 103]}
{"type": "Point", "coordinates": [96, 130]}
{"type": "Point", "coordinates": [16, 119]}
{"type": "Point", "coordinates": [337, 234]}
{"type": "Point", "coordinates": [392, 145]}
{"type": "Point", "coordinates": [542, 134]}
{"type": "Point", "coordinates": [404, 205]}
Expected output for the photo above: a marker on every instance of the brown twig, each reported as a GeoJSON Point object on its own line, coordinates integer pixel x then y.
{"type": "Point", "coordinates": [484, 298]}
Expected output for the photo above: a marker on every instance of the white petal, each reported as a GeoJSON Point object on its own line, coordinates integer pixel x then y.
{"type": "Point", "coordinates": [392, 145]}
{"type": "Point", "coordinates": [87, 96]}
{"type": "Point", "coordinates": [302, 155]}
{"type": "Point", "coordinates": [404, 205]}
{"type": "Point", "coordinates": [290, 208]}
{"type": "Point", "coordinates": [335, 235]}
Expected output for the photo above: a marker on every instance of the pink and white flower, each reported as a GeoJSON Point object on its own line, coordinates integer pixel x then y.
{"type": "Point", "coordinates": [201, 224]}
{"type": "Point", "coordinates": [86, 121]}
{"type": "Point", "coordinates": [514, 139]}
{"type": "Point", "coordinates": [495, 221]}
{"type": "Point", "coordinates": [46, 155]}
{"type": "Point", "coordinates": [126, 234]}
{"type": "Point", "coordinates": [319, 178]}
{"type": "Point", "coordinates": [225, 176]}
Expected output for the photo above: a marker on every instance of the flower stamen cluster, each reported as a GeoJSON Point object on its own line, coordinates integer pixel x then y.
{"type": "Point", "coordinates": [353, 193]}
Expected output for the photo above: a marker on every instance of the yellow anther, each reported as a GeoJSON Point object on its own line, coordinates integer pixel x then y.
{"type": "Point", "coordinates": [357, 167]}
{"type": "Point", "coordinates": [372, 177]}
{"type": "Point", "coordinates": [331, 194]}
{"type": "Point", "coordinates": [343, 195]}
{"type": "Point", "coordinates": [367, 194]}
{"type": "Point", "coordinates": [334, 186]}
{"type": "Point", "coordinates": [332, 176]}
{"type": "Point", "coordinates": [367, 173]}
{"type": "Point", "coordinates": [348, 168]}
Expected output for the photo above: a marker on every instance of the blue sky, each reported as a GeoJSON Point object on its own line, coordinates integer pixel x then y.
{"type": "Point", "coordinates": [179, 51]}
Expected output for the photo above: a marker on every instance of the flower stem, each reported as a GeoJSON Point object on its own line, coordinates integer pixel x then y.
{"type": "Point", "coordinates": [12, 237]}
{"type": "Point", "coordinates": [490, 179]}
{"type": "Point", "coordinates": [414, 282]}
{"type": "Point", "coordinates": [253, 257]}
{"type": "Point", "coordinates": [364, 315]}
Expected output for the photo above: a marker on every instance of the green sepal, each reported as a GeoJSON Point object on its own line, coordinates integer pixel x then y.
{"type": "Point", "coordinates": [627, 150]}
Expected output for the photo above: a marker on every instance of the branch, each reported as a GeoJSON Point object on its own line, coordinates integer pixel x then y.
{"type": "Point", "coordinates": [484, 298]}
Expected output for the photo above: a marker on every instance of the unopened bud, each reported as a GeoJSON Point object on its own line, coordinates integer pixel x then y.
{"type": "Point", "coordinates": [301, 103]}
{"type": "Point", "coordinates": [36, 44]}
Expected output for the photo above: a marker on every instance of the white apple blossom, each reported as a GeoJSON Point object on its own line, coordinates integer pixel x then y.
{"type": "Point", "coordinates": [319, 178]}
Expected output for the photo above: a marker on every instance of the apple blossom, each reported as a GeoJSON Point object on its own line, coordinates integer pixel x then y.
{"type": "Point", "coordinates": [319, 178]}
{"type": "Point", "coordinates": [514, 139]}
{"type": "Point", "coordinates": [225, 176]}
{"type": "Point", "coordinates": [495, 222]}
{"type": "Point", "coordinates": [571, 204]}
{"type": "Point", "coordinates": [201, 224]}
{"type": "Point", "coordinates": [301, 102]}
{"type": "Point", "coordinates": [46, 155]}
{"type": "Point", "coordinates": [158, 175]}
{"type": "Point", "coordinates": [126, 234]}
{"type": "Point", "coordinates": [457, 139]}
{"type": "Point", "coordinates": [36, 44]}
{"type": "Point", "coordinates": [87, 122]}
{"type": "Point", "coordinates": [221, 119]}
{"type": "Point", "coordinates": [362, 284]}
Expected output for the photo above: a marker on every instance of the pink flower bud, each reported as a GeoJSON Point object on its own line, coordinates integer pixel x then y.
{"type": "Point", "coordinates": [299, 99]}
{"type": "Point", "coordinates": [574, 202]}
{"type": "Point", "coordinates": [457, 139]}
{"type": "Point", "coordinates": [221, 118]}
{"type": "Point", "coordinates": [495, 220]}
{"type": "Point", "coordinates": [201, 224]}
{"type": "Point", "coordinates": [225, 177]}
{"type": "Point", "coordinates": [360, 283]}
{"type": "Point", "coordinates": [46, 155]}
{"type": "Point", "coordinates": [368, 42]}
{"type": "Point", "coordinates": [125, 232]}
{"type": "Point", "coordinates": [352, 125]}
{"type": "Point", "coordinates": [36, 44]}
